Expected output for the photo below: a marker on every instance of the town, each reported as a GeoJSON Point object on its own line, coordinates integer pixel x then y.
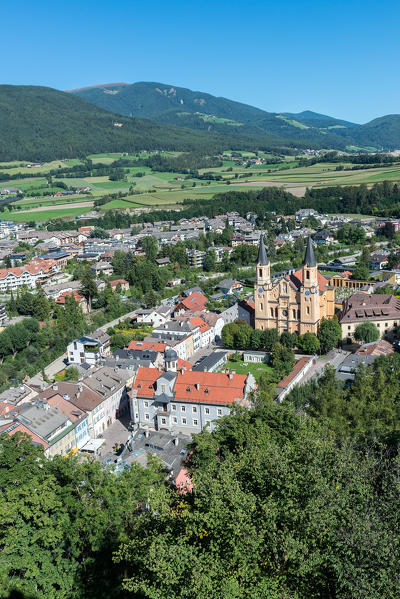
{"type": "Point", "coordinates": [154, 332]}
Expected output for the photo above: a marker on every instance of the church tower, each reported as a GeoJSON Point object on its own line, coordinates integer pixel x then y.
{"type": "Point", "coordinates": [309, 293]}
{"type": "Point", "coordinates": [262, 287]}
{"type": "Point", "coordinates": [263, 275]}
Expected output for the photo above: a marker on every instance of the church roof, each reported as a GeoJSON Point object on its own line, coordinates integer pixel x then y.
{"type": "Point", "coordinates": [309, 258]}
{"type": "Point", "coordinates": [262, 258]}
{"type": "Point", "coordinates": [297, 279]}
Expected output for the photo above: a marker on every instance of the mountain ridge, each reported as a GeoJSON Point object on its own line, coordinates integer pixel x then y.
{"type": "Point", "coordinates": [197, 110]}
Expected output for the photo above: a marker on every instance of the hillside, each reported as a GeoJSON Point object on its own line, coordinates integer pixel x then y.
{"type": "Point", "coordinates": [201, 111]}
{"type": "Point", "coordinates": [40, 123]}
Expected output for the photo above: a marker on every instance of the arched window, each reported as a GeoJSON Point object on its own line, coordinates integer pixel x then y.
{"type": "Point", "coordinates": [284, 288]}
{"type": "Point", "coordinates": [307, 274]}
{"type": "Point", "coordinates": [260, 273]}
{"type": "Point", "coordinates": [276, 312]}
{"type": "Point", "coordinates": [261, 307]}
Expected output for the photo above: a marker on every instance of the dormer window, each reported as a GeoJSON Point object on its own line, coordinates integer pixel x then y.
{"type": "Point", "coordinates": [188, 389]}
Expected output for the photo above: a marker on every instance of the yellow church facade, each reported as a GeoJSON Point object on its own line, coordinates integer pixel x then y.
{"type": "Point", "coordinates": [295, 303]}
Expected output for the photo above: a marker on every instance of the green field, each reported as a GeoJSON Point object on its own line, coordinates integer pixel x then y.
{"type": "Point", "coordinates": [160, 189]}
{"type": "Point", "coordinates": [44, 215]}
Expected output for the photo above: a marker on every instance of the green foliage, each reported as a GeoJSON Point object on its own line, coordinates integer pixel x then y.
{"type": "Point", "coordinates": [366, 332]}
{"type": "Point", "coordinates": [329, 334]}
{"type": "Point", "coordinates": [308, 343]}
{"type": "Point", "coordinates": [351, 234]}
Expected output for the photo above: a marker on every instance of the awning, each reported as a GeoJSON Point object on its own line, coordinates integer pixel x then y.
{"type": "Point", "coordinates": [93, 445]}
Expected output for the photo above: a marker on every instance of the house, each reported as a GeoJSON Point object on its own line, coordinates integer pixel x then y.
{"type": "Point", "coordinates": [182, 330]}
{"type": "Point", "coordinates": [48, 423]}
{"type": "Point", "coordinates": [194, 302]}
{"type": "Point", "coordinates": [185, 401]}
{"type": "Point", "coordinates": [211, 363]}
{"type": "Point", "coordinates": [324, 238]}
{"type": "Point", "coordinates": [196, 258]}
{"type": "Point", "coordinates": [88, 350]}
{"type": "Point", "coordinates": [102, 268]}
{"type": "Point", "coordinates": [378, 261]}
{"type": "Point", "coordinates": [294, 377]}
{"type": "Point", "coordinates": [229, 286]}
{"type": "Point", "coordinates": [153, 316]}
{"type": "Point", "coordinates": [365, 355]}
{"type": "Point", "coordinates": [256, 357]}
{"type": "Point", "coordinates": [345, 261]}
{"type": "Point", "coordinates": [382, 310]}
{"type": "Point", "coordinates": [163, 261]}
{"type": "Point", "coordinates": [124, 285]}
{"type": "Point", "coordinates": [60, 301]}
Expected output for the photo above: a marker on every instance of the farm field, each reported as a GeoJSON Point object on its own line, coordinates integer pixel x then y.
{"type": "Point", "coordinates": [44, 215]}
{"type": "Point", "coordinates": [169, 189]}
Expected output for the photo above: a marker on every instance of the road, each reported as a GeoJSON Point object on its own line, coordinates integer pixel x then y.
{"type": "Point", "coordinates": [334, 358]}
{"type": "Point", "coordinates": [60, 363]}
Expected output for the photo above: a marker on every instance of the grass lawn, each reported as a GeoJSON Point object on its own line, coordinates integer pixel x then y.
{"type": "Point", "coordinates": [44, 215]}
{"type": "Point", "coordinates": [255, 369]}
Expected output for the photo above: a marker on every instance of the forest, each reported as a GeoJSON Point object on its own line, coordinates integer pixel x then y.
{"type": "Point", "coordinates": [298, 500]}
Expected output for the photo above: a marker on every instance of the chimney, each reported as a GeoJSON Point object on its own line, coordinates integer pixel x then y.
{"type": "Point", "coordinates": [147, 434]}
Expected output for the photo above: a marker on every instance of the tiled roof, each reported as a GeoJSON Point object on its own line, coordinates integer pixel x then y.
{"type": "Point", "coordinates": [17, 427]}
{"type": "Point", "coordinates": [75, 294]}
{"type": "Point", "coordinates": [361, 307]}
{"type": "Point", "coordinates": [297, 279]}
{"type": "Point", "coordinates": [148, 345]}
{"type": "Point", "coordinates": [195, 387]}
{"type": "Point", "coordinates": [298, 367]}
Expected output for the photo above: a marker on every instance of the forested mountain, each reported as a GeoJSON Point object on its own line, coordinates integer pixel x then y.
{"type": "Point", "coordinates": [198, 110]}
{"type": "Point", "coordinates": [40, 123]}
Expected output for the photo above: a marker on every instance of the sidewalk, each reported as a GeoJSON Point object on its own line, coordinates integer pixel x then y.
{"type": "Point", "coordinates": [334, 358]}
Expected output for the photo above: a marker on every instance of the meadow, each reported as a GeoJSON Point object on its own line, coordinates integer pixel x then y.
{"type": "Point", "coordinates": [164, 189]}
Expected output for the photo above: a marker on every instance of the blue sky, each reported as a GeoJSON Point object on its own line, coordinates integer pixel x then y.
{"type": "Point", "coordinates": [336, 57]}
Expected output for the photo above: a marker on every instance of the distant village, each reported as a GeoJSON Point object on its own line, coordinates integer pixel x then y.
{"type": "Point", "coordinates": [179, 375]}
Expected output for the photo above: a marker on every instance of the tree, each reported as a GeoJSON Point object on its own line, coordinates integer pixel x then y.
{"type": "Point", "coordinates": [366, 332]}
{"type": "Point", "coordinates": [99, 233]}
{"type": "Point", "coordinates": [308, 343]}
{"type": "Point", "coordinates": [150, 247]}
{"type": "Point", "coordinates": [288, 339]}
{"type": "Point", "coordinates": [269, 338]}
{"type": "Point", "coordinates": [361, 271]}
{"type": "Point", "coordinates": [88, 287]}
{"type": "Point", "coordinates": [210, 260]}
{"type": "Point", "coordinates": [41, 306]}
{"type": "Point", "coordinates": [329, 334]}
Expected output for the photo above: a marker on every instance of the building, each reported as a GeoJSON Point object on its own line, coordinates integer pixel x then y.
{"type": "Point", "coordinates": [102, 268]}
{"type": "Point", "coordinates": [196, 258]}
{"type": "Point", "coordinates": [382, 310]}
{"type": "Point", "coordinates": [295, 303]}
{"type": "Point", "coordinates": [185, 401]}
{"type": "Point", "coordinates": [88, 350]}
{"type": "Point", "coordinates": [364, 356]}
{"type": "Point", "coordinates": [295, 377]}
{"type": "Point", "coordinates": [229, 286]}
{"type": "Point", "coordinates": [255, 357]}
{"type": "Point", "coordinates": [124, 285]}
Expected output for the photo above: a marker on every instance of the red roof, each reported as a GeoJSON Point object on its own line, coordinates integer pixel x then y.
{"type": "Point", "coordinates": [61, 298]}
{"type": "Point", "coordinates": [195, 387]}
{"type": "Point", "coordinates": [17, 427]}
{"type": "Point", "coordinates": [118, 282]}
{"type": "Point", "coordinates": [184, 364]}
{"type": "Point", "coordinates": [148, 345]}
{"type": "Point", "coordinates": [5, 408]}
{"type": "Point", "coordinates": [194, 301]}
{"type": "Point", "coordinates": [298, 367]}
{"type": "Point", "coordinates": [199, 322]}
{"type": "Point", "coordinates": [297, 279]}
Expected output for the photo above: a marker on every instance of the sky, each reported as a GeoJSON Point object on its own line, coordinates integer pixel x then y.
{"type": "Point", "coordinates": [339, 58]}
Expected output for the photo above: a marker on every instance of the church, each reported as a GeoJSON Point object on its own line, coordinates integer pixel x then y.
{"type": "Point", "coordinates": [295, 303]}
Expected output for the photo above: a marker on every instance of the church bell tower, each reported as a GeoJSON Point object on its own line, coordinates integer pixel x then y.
{"type": "Point", "coordinates": [309, 300]}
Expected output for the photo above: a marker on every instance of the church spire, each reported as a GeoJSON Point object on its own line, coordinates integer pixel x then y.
{"type": "Point", "coordinates": [262, 259]}
{"type": "Point", "coordinates": [309, 258]}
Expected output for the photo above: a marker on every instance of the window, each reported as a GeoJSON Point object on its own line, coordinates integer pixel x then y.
{"type": "Point", "coordinates": [260, 273]}
{"type": "Point", "coordinates": [173, 406]}
{"type": "Point", "coordinates": [146, 404]}
{"type": "Point", "coordinates": [163, 388]}
{"type": "Point", "coordinates": [147, 417]}
{"type": "Point", "coordinates": [136, 416]}
{"type": "Point", "coordinates": [183, 420]}
{"type": "Point", "coordinates": [307, 274]}
{"type": "Point", "coordinates": [284, 312]}
{"type": "Point", "coordinates": [294, 313]}
{"type": "Point", "coordinates": [284, 288]}
{"type": "Point", "coordinates": [219, 412]}
{"type": "Point", "coordinates": [208, 422]}
{"type": "Point", "coordinates": [195, 422]}
{"type": "Point", "coordinates": [272, 311]}
{"type": "Point", "coordinates": [349, 327]}
{"type": "Point", "coordinates": [308, 309]}
{"type": "Point", "coordinates": [261, 307]}
{"type": "Point", "coordinates": [194, 409]}
{"type": "Point", "coordinates": [163, 421]}
{"type": "Point", "coordinates": [207, 410]}
{"type": "Point", "coordinates": [174, 419]}
{"type": "Point", "coordinates": [183, 408]}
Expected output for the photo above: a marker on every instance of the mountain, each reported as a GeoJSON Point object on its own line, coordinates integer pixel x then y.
{"type": "Point", "coordinates": [322, 121]}
{"type": "Point", "coordinates": [201, 111]}
{"type": "Point", "coordinates": [40, 123]}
